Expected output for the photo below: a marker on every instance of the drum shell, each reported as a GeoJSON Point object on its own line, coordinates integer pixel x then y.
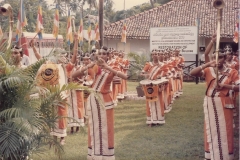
{"type": "Point", "coordinates": [152, 88]}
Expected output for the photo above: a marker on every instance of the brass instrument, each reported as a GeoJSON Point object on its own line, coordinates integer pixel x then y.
{"type": "Point", "coordinates": [219, 5]}
{"type": "Point", "coordinates": [6, 10]}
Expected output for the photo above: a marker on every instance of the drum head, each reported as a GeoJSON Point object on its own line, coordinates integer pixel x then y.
{"type": "Point", "coordinates": [145, 82]}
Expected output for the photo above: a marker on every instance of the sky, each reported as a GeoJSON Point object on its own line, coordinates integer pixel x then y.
{"type": "Point", "coordinates": [119, 4]}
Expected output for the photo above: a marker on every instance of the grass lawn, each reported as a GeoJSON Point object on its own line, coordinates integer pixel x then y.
{"type": "Point", "coordinates": [181, 138]}
{"type": "Point", "coordinates": [132, 85]}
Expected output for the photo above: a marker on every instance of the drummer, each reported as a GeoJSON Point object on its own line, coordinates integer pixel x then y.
{"type": "Point", "coordinates": [60, 129]}
{"type": "Point", "coordinates": [154, 112]}
{"type": "Point", "coordinates": [120, 95]}
{"type": "Point", "coordinates": [78, 100]}
{"type": "Point", "coordinates": [113, 63]}
{"type": "Point", "coordinates": [164, 73]}
{"type": "Point", "coordinates": [125, 68]}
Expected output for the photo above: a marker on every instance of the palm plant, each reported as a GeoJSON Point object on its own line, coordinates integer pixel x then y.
{"type": "Point", "coordinates": [136, 64]}
{"type": "Point", "coordinates": [26, 120]}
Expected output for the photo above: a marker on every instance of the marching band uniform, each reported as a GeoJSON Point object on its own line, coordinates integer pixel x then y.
{"type": "Point", "coordinates": [113, 63]}
{"type": "Point", "coordinates": [154, 109]}
{"type": "Point", "coordinates": [218, 126]}
{"type": "Point", "coordinates": [115, 85]}
{"type": "Point", "coordinates": [165, 73]}
{"type": "Point", "coordinates": [57, 75]}
{"type": "Point", "coordinates": [125, 68]}
{"type": "Point", "coordinates": [120, 86]}
{"type": "Point", "coordinates": [100, 111]}
{"type": "Point", "coordinates": [77, 111]}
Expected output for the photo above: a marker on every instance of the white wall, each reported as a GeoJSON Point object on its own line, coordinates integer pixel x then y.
{"type": "Point", "coordinates": [136, 46]}
{"type": "Point", "coordinates": [143, 46]}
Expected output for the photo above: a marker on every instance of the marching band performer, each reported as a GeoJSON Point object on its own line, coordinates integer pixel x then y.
{"type": "Point", "coordinates": [179, 63]}
{"type": "Point", "coordinates": [125, 68]}
{"type": "Point", "coordinates": [77, 111]}
{"type": "Point", "coordinates": [154, 112]}
{"type": "Point", "coordinates": [230, 62]}
{"type": "Point", "coordinates": [112, 63]}
{"type": "Point", "coordinates": [120, 95]}
{"type": "Point", "coordinates": [115, 82]}
{"type": "Point", "coordinates": [218, 126]}
{"type": "Point", "coordinates": [100, 109]}
{"type": "Point", "coordinates": [164, 73]}
{"type": "Point", "coordinates": [60, 129]}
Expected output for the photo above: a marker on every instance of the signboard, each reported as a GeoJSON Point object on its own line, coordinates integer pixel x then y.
{"type": "Point", "coordinates": [171, 37]}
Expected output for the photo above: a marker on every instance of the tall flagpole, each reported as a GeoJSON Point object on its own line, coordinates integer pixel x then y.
{"type": "Point", "coordinates": [124, 24]}
{"type": "Point", "coordinates": [101, 22]}
{"type": "Point", "coordinates": [21, 30]}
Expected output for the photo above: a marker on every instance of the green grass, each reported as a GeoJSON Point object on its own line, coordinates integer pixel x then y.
{"type": "Point", "coordinates": [181, 138]}
{"type": "Point", "coordinates": [131, 86]}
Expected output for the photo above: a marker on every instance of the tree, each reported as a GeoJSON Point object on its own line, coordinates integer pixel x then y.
{"type": "Point", "coordinates": [119, 15]}
{"type": "Point", "coordinates": [31, 10]}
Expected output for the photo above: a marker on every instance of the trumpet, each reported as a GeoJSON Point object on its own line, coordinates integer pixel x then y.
{"type": "Point", "coordinates": [6, 10]}
{"type": "Point", "coordinates": [219, 5]}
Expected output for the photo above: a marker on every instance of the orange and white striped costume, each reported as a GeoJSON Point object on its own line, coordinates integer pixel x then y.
{"type": "Point", "coordinates": [58, 78]}
{"type": "Point", "coordinates": [101, 117]}
{"type": "Point", "coordinates": [113, 63]}
{"type": "Point", "coordinates": [77, 101]}
{"type": "Point", "coordinates": [218, 129]}
{"type": "Point", "coordinates": [120, 86]}
{"type": "Point", "coordinates": [115, 86]}
{"type": "Point", "coordinates": [154, 109]}
{"type": "Point", "coordinates": [124, 70]}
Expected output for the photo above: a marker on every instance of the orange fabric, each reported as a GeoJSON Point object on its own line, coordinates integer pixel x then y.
{"type": "Point", "coordinates": [228, 76]}
{"type": "Point", "coordinates": [161, 100]}
{"type": "Point", "coordinates": [62, 122]}
{"type": "Point", "coordinates": [80, 104]}
{"type": "Point", "coordinates": [101, 121]}
{"type": "Point", "coordinates": [110, 124]}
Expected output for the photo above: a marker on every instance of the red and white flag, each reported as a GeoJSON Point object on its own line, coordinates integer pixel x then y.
{"type": "Point", "coordinates": [236, 33]}
{"type": "Point", "coordinates": [124, 33]}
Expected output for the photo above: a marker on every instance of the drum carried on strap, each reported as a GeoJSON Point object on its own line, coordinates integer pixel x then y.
{"type": "Point", "coordinates": [52, 74]}
{"type": "Point", "coordinates": [151, 88]}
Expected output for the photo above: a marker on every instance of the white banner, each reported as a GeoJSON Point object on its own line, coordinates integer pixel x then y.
{"type": "Point", "coordinates": [184, 37]}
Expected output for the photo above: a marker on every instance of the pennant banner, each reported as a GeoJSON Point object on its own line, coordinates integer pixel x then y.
{"type": "Point", "coordinates": [236, 33]}
{"type": "Point", "coordinates": [89, 32]}
{"type": "Point", "coordinates": [80, 31]}
{"type": "Point", "coordinates": [56, 23]}
{"type": "Point", "coordinates": [124, 33]}
{"type": "Point", "coordinates": [69, 29]}
{"type": "Point", "coordinates": [39, 26]}
{"type": "Point", "coordinates": [22, 21]}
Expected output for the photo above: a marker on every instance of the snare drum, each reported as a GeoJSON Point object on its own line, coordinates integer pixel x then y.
{"type": "Point", "coordinates": [150, 89]}
{"type": "Point", "coordinates": [162, 83]}
{"type": "Point", "coordinates": [52, 74]}
{"type": "Point", "coordinates": [117, 80]}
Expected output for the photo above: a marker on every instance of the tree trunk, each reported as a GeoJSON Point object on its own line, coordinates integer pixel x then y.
{"type": "Point", "coordinates": [101, 22]}
{"type": "Point", "coordinates": [152, 3]}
